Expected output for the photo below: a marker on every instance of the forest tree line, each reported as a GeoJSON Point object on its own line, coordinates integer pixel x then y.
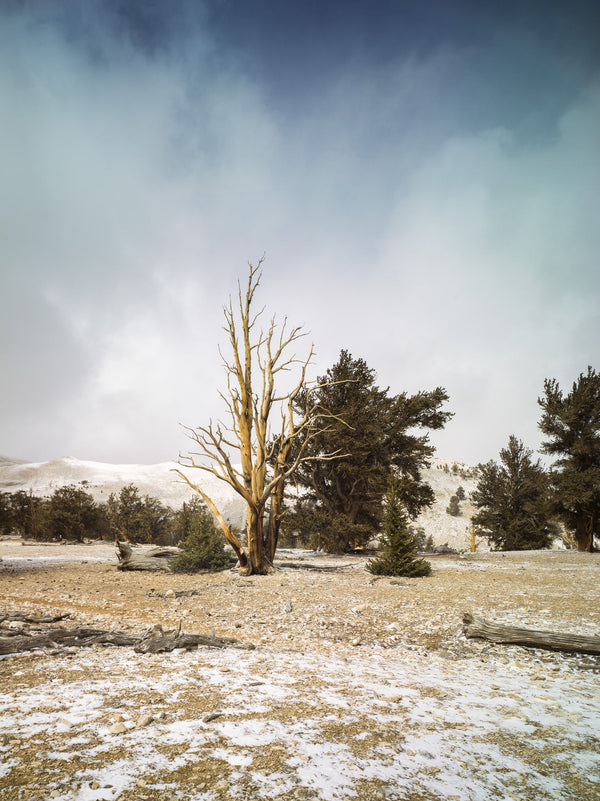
{"type": "Point", "coordinates": [72, 514]}
{"type": "Point", "coordinates": [341, 508]}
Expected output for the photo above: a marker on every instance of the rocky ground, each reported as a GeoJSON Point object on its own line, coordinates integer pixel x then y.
{"type": "Point", "coordinates": [358, 687]}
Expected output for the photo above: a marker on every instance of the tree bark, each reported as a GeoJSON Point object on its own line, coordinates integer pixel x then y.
{"type": "Point", "coordinates": [584, 533]}
{"type": "Point", "coordinates": [258, 560]}
{"type": "Point", "coordinates": [475, 626]}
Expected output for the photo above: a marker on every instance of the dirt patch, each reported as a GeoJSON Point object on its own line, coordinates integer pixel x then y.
{"type": "Point", "coordinates": [359, 687]}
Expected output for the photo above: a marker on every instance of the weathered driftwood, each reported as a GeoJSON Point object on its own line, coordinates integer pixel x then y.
{"type": "Point", "coordinates": [134, 558]}
{"type": "Point", "coordinates": [285, 565]}
{"type": "Point", "coordinates": [151, 641]}
{"type": "Point", "coordinates": [61, 638]}
{"type": "Point", "coordinates": [475, 626]}
{"type": "Point", "coordinates": [25, 618]}
{"type": "Point", "coordinates": [155, 641]}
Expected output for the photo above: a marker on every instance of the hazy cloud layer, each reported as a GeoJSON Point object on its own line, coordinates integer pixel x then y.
{"type": "Point", "coordinates": [426, 200]}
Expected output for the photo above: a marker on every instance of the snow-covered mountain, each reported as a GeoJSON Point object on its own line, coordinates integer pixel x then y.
{"type": "Point", "coordinates": [160, 481]}
{"type": "Point", "coordinates": [100, 479]}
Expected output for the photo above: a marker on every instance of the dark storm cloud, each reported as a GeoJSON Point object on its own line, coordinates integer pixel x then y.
{"type": "Point", "coordinates": [422, 176]}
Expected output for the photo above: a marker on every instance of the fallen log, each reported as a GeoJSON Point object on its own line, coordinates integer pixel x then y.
{"type": "Point", "coordinates": [284, 565]}
{"type": "Point", "coordinates": [151, 641]}
{"type": "Point", "coordinates": [156, 641]}
{"type": "Point", "coordinates": [475, 626]}
{"type": "Point", "coordinates": [136, 558]}
{"type": "Point", "coordinates": [25, 618]}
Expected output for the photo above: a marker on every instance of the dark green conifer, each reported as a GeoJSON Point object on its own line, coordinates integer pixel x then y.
{"type": "Point", "coordinates": [202, 546]}
{"type": "Point", "coordinates": [399, 551]}
{"type": "Point", "coordinates": [372, 432]}
{"type": "Point", "coordinates": [513, 499]}
{"type": "Point", "coordinates": [572, 424]}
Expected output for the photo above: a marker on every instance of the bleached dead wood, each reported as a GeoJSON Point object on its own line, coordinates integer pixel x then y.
{"type": "Point", "coordinates": [155, 641]}
{"type": "Point", "coordinates": [25, 618]}
{"type": "Point", "coordinates": [151, 641]}
{"type": "Point", "coordinates": [475, 626]}
{"type": "Point", "coordinates": [135, 558]}
{"type": "Point", "coordinates": [284, 565]}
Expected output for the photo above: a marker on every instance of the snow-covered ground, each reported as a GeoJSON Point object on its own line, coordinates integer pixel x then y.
{"type": "Point", "coordinates": [359, 688]}
{"type": "Point", "coordinates": [370, 724]}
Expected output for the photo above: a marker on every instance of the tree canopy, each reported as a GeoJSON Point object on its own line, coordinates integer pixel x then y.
{"type": "Point", "coordinates": [513, 499]}
{"type": "Point", "coordinates": [571, 424]}
{"type": "Point", "coordinates": [372, 431]}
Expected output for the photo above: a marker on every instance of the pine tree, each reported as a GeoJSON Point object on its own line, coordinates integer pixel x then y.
{"type": "Point", "coordinates": [454, 507]}
{"type": "Point", "coordinates": [202, 547]}
{"type": "Point", "coordinates": [72, 514]}
{"type": "Point", "coordinates": [372, 432]}
{"type": "Point", "coordinates": [399, 546]}
{"type": "Point", "coordinates": [514, 501]}
{"type": "Point", "coordinates": [572, 425]}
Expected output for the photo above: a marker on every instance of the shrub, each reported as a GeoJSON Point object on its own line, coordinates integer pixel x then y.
{"type": "Point", "coordinates": [202, 546]}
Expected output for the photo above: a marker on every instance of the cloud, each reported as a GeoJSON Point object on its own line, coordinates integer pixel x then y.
{"type": "Point", "coordinates": [442, 239]}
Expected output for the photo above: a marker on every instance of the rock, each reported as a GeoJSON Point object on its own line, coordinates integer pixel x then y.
{"type": "Point", "coordinates": [169, 594]}
{"type": "Point", "coordinates": [288, 607]}
{"type": "Point", "coordinates": [118, 728]}
{"type": "Point", "coordinates": [211, 716]}
{"type": "Point", "coordinates": [144, 720]}
{"type": "Point", "coordinates": [94, 786]}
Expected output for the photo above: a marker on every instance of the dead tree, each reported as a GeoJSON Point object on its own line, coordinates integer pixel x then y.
{"type": "Point", "coordinates": [251, 402]}
{"type": "Point", "coordinates": [475, 626]}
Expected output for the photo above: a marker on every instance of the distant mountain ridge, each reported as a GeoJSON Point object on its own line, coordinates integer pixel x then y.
{"type": "Point", "coordinates": [9, 460]}
{"type": "Point", "coordinates": [160, 481]}
{"type": "Point", "coordinates": [100, 479]}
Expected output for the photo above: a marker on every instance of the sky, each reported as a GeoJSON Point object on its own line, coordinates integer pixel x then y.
{"type": "Point", "coordinates": [422, 177]}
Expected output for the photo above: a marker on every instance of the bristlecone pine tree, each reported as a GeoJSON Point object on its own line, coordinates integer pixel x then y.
{"type": "Point", "coordinates": [572, 424]}
{"type": "Point", "coordinates": [399, 546]}
{"type": "Point", "coordinates": [247, 453]}
{"type": "Point", "coordinates": [372, 431]}
{"type": "Point", "coordinates": [513, 499]}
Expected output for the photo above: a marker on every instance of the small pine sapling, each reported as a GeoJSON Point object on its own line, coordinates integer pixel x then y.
{"type": "Point", "coordinates": [202, 547]}
{"type": "Point", "coordinates": [454, 507]}
{"type": "Point", "coordinates": [399, 552]}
